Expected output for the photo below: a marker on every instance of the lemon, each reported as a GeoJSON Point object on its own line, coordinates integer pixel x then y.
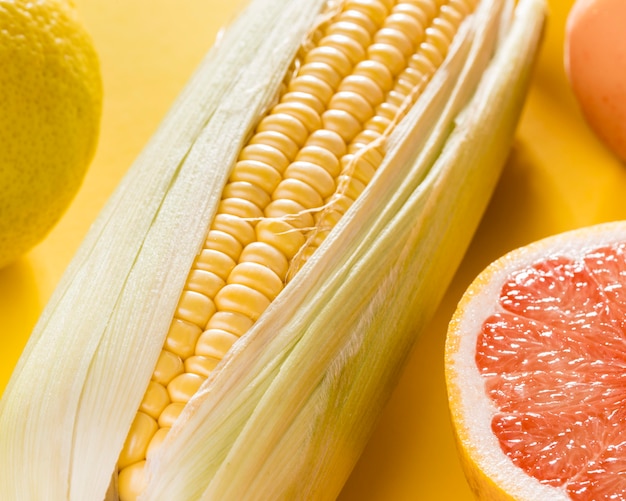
{"type": "Point", "coordinates": [50, 109]}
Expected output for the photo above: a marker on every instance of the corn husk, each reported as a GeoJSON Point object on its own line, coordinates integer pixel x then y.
{"type": "Point", "coordinates": [291, 407]}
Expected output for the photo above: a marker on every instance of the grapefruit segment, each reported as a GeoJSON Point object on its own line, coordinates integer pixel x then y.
{"type": "Point", "coordinates": [536, 370]}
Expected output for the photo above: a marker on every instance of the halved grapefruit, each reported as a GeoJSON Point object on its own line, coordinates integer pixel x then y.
{"type": "Point", "coordinates": [536, 370]}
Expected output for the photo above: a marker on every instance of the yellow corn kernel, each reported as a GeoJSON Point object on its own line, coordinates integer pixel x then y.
{"type": "Point", "coordinates": [204, 282]}
{"type": "Point", "coordinates": [277, 140]}
{"type": "Point", "coordinates": [234, 323]}
{"type": "Point", "coordinates": [298, 191]}
{"type": "Point", "coordinates": [359, 168]}
{"type": "Point", "coordinates": [240, 207]}
{"type": "Point", "coordinates": [258, 277]}
{"type": "Point", "coordinates": [347, 46]}
{"type": "Point", "coordinates": [183, 386]}
{"type": "Point", "coordinates": [167, 367]}
{"type": "Point", "coordinates": [322, 139]}
{"type": "Point", "coordinates": [374, 9]}
{"type": "Point", "coordinates": [258, 173]}
{"type": "Point", "coordinates": [242, 230]}
{"type": "Point", "coordinates": [182, 337]}
{"type": "Point", "coordinates": [215, 262]}
{"type": "Point", "coordinates": [267, 255]}
{"type": "Point", "coordinates": [285, 124]}
{"type": "Point", "coordinates": [132, 479]}
{"type": "Point", "coordinates": [155, 400]}
{"type": "Point", "coordinates": [315, 175]}
{"type": "Point", "coordinates": [242, 299]}
{"type": "Point", "coordinates": [354, 31]}
{"type": "Point", "coordinates": [157, 440]}
{"type": "Point", "coordinates": [267, 154]}
{"type": "Point", "coordinates": [215, 343]}
{"type": "Point", "coordinates": [359, 18]}
{"type": "Point", "coordinates": [195, 308]}
{"type": "Point", "coordinates": [312, 157]}
{"type": "Point", "coordinates": [291, 211]}
{"type": "Point", "coordinates": [406, 24]}
{"type": "Point", "coordinates": [280, 235]}
{"type": "Point", "coordinates": [324, 74]}
{"type": "Point", "coordinates": [200, 365]}
{"type": "Point", "coordinates": [241, 190]}
{"type": "Point", "coordinates": [141, 431]}
{"type": "Point", "coordinates": [366, 88]}
{"type": "Point", "coordinates": [170, 415]}
{"type": "Point", "coordinates": [341, 122]}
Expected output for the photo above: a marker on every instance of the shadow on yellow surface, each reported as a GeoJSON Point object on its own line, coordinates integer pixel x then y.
{"type": "Point", "coordinates": [19, 309]}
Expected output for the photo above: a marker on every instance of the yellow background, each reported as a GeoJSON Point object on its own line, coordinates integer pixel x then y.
{"type": "Point", "coordinates": [557, 178]}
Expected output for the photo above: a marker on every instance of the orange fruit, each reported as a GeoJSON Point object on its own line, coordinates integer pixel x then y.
{"type": "Point", "coordinates": [536, 370]}
{"type": "Point", "coordinates": [595, 58]}
{"type": "Point", "coordinates": [50, 107]}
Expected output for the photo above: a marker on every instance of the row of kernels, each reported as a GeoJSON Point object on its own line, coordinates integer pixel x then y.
{"type": "Point", "coordinates": [250, 286]}
{"type": "Point", "coordinates": [421, 65]}
{"type": "Point", "coordinates": [307, 95]}
{"type": "Point", "coordinates": [279, 136]}
{"type": "Point", "coordinates": [402, 32]}
{"type": "Point", "coordinates": [348, 109]}
{"type": "Point", "coordinates": [305, 186]}
{"type": "Point", "coordinates": [411, 17]}
{"type": "Point", "coordinates": [353, 105]}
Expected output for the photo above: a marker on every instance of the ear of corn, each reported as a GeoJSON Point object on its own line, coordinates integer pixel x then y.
{"type": "Point", "coordinates": [289, 408]}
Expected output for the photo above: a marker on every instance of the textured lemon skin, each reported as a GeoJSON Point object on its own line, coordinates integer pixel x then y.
{"type": "Point", "coordinates": [50, 109]}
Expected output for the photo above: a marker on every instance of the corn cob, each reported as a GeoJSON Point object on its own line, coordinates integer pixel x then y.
{"type": "Point", "coordinates": [344, 97]}
{"type": "Point", "coordinates": [357, 157]}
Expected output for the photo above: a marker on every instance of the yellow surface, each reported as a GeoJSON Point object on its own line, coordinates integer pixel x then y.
{"type": "Point", "coordinates": [50, 103]}
{"type": "Point", "coordinates": [558, 177]}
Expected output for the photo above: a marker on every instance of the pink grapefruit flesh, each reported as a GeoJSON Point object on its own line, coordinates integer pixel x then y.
{"type": "Point", "coordinates": [553, 359]}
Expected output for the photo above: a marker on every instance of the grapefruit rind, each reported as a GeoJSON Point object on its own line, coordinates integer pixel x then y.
{"type": "Point", "coordinates": [490, 473]}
